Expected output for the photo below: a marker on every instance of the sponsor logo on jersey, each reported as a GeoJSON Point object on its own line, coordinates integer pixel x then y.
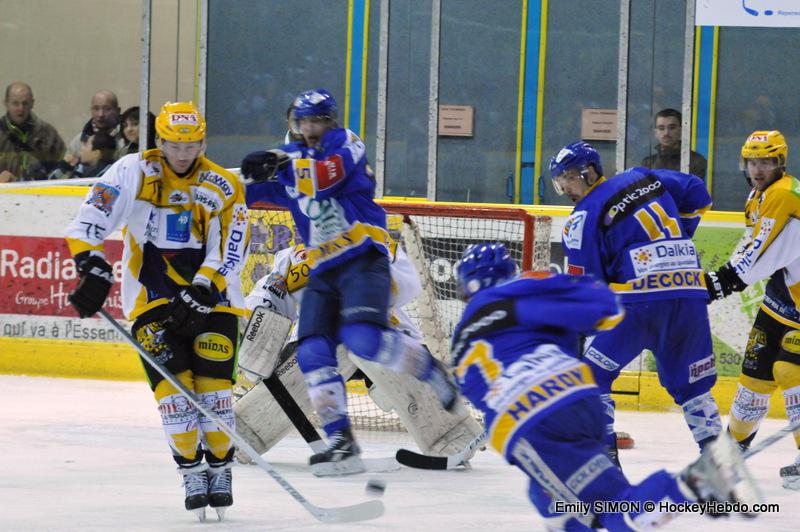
{"type": "Point", "coordinates": [233, 251]}
{"type": "Point", "coordinates": [600, 359]}
{"type": "Point", "coordinates": [179, 226]}
{"type": "Point", "coordinates": [573, 230]}
{"type": "Point", "coordinates": [791, 342]}
{"type": "Point", "coordinates": [662, 256]}
{"type": "Point", "coordinates": [183, 119]}
{"type": "Point", "coordinates": [704, 367]}
{"type": "Point", "coordinates": [205, 198]}
{"type": "Point", "coordinates": [218, 181]}
{"type": "Point", "coordinates": [240, 218]}
{"type": "Point", "coordinates": [103, 198]}
{"type": "Point", "coordinates": [626, 200]}
{"type": "Point", "coordinates": [213, 346]}
{"type": "Point", "coordinates": [178, 197]}
{"type": "Point", "coordinates": [748, 258]}
{"type": "Point", "coordinates": [330, 172]}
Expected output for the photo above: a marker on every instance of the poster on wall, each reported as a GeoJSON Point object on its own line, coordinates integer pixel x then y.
{"type": "Point", "coordinates": [760, 13]}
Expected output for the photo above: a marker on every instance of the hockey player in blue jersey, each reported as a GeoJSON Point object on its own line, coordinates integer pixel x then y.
{"type": "Point", "coordinates": [325, 182]}
{"type": "Point", "coordinates": [634, 232]}
{"type": "Point", "coordinates": [515, 352]}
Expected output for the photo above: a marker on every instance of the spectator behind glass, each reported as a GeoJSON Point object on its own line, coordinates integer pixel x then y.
{"type": "Point", "coordinates": [29, 147]}
{"type": "Point", "coordinates": [105, 117]}
{"type": "Point", "coordinates": [129, 122]}
{"type": "Point", "coordinates": [96, 155]}
{"type": "Point", "coordinates": [667, 153]}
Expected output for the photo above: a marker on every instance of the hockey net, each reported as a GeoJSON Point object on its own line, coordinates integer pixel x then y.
{"type": "Point", "coordinates": [434, 237]}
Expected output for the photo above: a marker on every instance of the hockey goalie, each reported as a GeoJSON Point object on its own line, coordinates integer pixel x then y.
{"type": "Point", "coordinates": [268, 350]}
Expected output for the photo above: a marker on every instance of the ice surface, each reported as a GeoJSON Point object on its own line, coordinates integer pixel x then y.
{"type": "Point", "coordinates": [90, 455]}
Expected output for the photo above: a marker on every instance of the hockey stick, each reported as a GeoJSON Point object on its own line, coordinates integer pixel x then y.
{"type": "Point", "coordinates": [769, 440]}
{"type": "Point", "coordinates": [424, 461]}
{"type": "Point", "coordinates": [343, 514]}
{"type": "Point", "coordinates": [294, 412]}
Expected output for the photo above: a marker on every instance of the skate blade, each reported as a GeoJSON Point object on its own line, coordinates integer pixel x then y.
{"type": "Point", "coordinates": [220, 512]}
{"type": "Point", "coordinates": [200, 513]}
{"type": "Point", "coordinates": [348, 466]}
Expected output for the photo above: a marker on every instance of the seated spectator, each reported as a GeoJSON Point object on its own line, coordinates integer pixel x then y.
{"type": "Point", "coordinates": [129, 122]}
{"type": "Point", "coordinates": [667, 153]}
{"type": "Point", "coordinates": [96, 155]}
{"type": "Point", "coordinates": [29, 147]}
{"type": "Point", "coordinates": [105, 117]}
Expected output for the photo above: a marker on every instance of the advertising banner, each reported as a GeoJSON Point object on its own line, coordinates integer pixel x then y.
{"type": "Point", "coordinates": [760, 13]}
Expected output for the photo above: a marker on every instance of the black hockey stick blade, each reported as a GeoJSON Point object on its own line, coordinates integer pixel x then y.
{"type": "Point", "coordinates": [424, 461]}
{"type": "Point", "coordinates": [420, 461]}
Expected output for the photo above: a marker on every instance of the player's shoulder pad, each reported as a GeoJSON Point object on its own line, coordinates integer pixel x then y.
{"type": "Point", "coordinates": [785, 191]}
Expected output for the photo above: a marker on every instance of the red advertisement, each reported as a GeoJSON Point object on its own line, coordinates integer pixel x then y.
{"type": "Point", "coordinates": [38, 273]}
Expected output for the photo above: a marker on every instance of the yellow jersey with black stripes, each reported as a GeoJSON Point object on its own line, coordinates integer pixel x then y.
{"type": "Point", "coordinates": [772, 248]}
{"type": "Point", "coordinates": [176, 230]}
{"type": "Point", "coordinates": [515, 349]}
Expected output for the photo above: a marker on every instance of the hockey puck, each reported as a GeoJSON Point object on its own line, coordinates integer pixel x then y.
{"type": "Point", "coordinates": [624, 441]}
{"type": "Point", "coordinates": [375, 487]}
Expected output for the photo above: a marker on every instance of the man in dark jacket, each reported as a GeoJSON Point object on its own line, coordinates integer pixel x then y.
{"type": "Point", "coordinates": [667, 153]}
{"type": "Point", "coordinates": [29, 147]}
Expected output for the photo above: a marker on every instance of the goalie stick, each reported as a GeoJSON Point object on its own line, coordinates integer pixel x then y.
{"type": "Point", "coordinates": [342, 514]}
{"type": "Point", "coordinates": [424, 461]}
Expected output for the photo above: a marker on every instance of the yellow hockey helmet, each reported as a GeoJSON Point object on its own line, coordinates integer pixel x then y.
{"type": "Point", "coordinates": [180, 122]}
{"type": "Point", "coordinates": [764, 144]}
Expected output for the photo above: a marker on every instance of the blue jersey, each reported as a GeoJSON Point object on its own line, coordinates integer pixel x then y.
{"type": "Point", "coordinates": [634, 231]}
{"type": "Point", "coordinates": [515, 348]}
{"type": "Point", "coordinates": [330, 192]}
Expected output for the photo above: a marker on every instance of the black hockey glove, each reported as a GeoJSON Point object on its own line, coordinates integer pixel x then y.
{"type": "Point", "coordinates": [723, 282]}
{"type": "Point", "coordinates": [92, 290]}
{"type": "Point", "coordinates": [189, 310]}
{"type": "Point", "coordinates": [263, 165]}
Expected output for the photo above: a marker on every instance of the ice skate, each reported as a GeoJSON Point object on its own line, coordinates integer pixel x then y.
{"type": "Point", "coordinates": [196, 484]}
{"type": "Point", "coordinates": [220, 494]}
{"type": "Point", "coordinates": [341, 457]}
{"type": "Point", "coordinates": [790, 475]}
{"type": "Point", "coordinates": [720, 475]}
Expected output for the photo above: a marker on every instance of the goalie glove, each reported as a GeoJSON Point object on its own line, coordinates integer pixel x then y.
{"type": "Point", "coordinates": [189, 310]}
{"type": "Point", "coordinates": [260, 166]}
{"type": "Point", "coordinates": [723, 282]}
{"type": "Point", "coordinates": [92, 290]}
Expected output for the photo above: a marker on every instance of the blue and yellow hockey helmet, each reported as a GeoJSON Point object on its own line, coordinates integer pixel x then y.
{"type": "Point", "coordinates": [481, 266]}
{"type": "Point", "coordinates": [580, 155]}
{"type": "Point", "coordinates": [314, 103]}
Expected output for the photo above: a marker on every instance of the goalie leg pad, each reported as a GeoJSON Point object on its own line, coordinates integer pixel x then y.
{"type": "Point", "coordinates": [702, 417]}
{"type": "Point", "coordinates": [263, 339]}
{"type": "Point", "coordinates": [435, 430]}
{"type": "Point", "coordinates": [179, 417]}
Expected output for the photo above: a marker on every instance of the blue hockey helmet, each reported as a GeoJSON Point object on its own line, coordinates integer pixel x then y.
{"type": "Point", "coordinates": [580, 155]}
{"type": "Point", "coordinates": [481, 266]}
{"type": "Point", "coordinates": [317, 102]}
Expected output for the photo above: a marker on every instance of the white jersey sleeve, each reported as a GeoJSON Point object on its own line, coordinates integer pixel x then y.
{"type": "Point", "coordinates": [107, 206]}
{"type": "Point", "coordinates": [406, 285]}
{"type": "Point", "coordinates": [272, 291]}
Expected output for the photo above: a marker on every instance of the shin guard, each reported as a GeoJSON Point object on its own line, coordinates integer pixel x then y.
{"type": "Point", "coordinates": [179, 417]}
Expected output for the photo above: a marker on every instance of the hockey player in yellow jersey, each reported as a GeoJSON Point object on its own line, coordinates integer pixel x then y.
{"type": "Point", "coordinates": [770, 250]}
{"type": "Point", "coordinates": [185, 229]}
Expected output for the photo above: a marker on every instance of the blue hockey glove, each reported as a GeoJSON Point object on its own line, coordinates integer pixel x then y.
{"type": "Point", "coordinates": [189, 310]}
{"type": "Point", "coordinates": [92, 290]}
{"type": "Point", "coordinates": [263, 165]}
